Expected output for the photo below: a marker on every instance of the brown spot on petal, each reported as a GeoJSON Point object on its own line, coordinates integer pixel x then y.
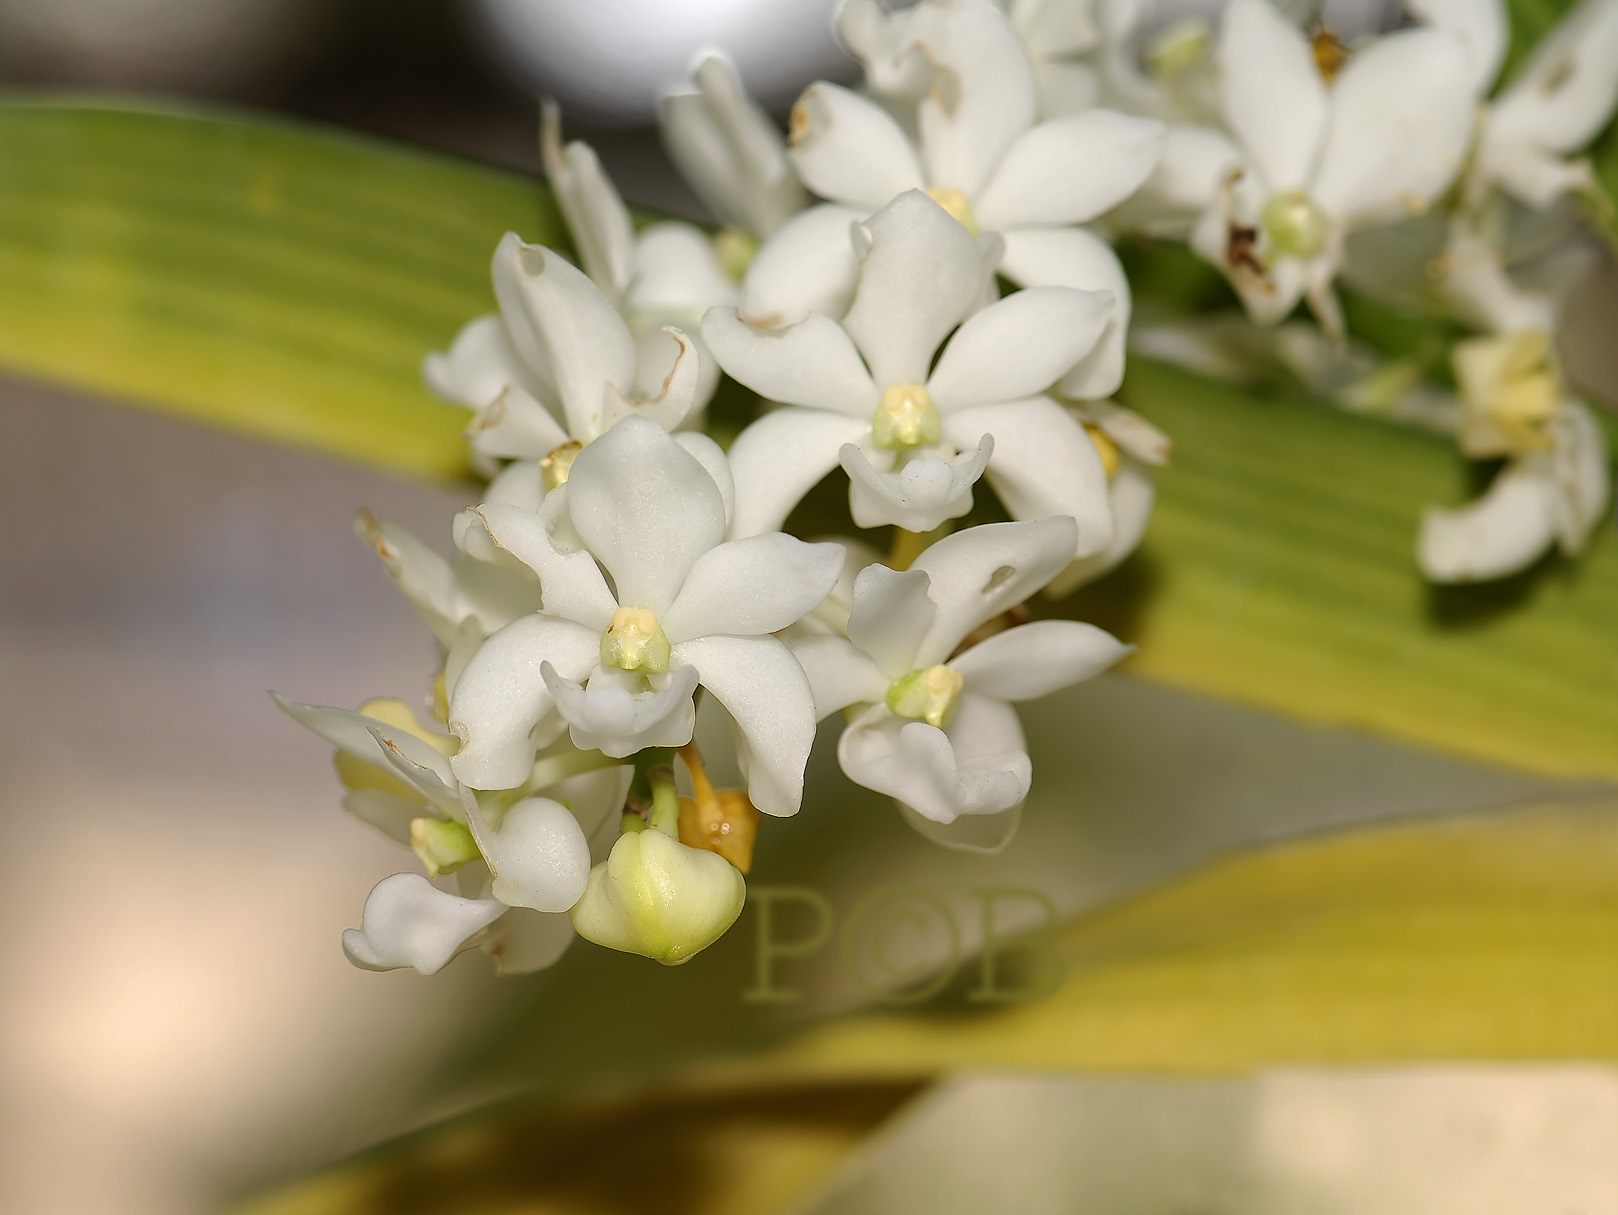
{"type": "Point", "coordinates": [1330, 53]}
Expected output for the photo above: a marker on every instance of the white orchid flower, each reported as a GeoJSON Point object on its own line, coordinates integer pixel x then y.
{"type": "Point", "coordinates": [936, 731]}
{"type": "Point", "coordinates": [1059, 35]}
{"type": "Point", "coordinates": [1560, 100]}
{"type": "Point", "coordinates": [914, 435]}
{"type": "Point", "coordinates": [1380, 140]}
{"type": "Point", "coordinates": [617, 665]}
{"type": "Point", "coordinates": [729, 150]}
{"type": "Point", "coordinates": [518, 864]}
{"type": "Point", "coordinates": [979, 154]}
{"type": "Point", "coordinates": [1544, 499]}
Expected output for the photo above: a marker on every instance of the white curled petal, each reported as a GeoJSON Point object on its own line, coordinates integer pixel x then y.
{"type": "Point", "coordinates": [807, 265]}
{"type": "Point", "coordinates": [839, 674]}
{"type": "Point", "coordinates": [591, 206]}
{"type": "Point", "coordinates": [982, 571]}
{"type": "Point", "coordinates": [712, 457]}
{"type": "Point", "coordinates": [1043, 464]}
{"type": "Point", "coordinates": [682, 380]}
{"type": "Point", "coordinates": [1018, 346]}
{"type": "Point", "coordinates": [514, 426]}
{"type": "Point", "coordinates": [920, 275]}
{"type": "Point", "coordinates": [1565, 93]}
{"type": "Point", "coordinates": [1273, 97]}
{"type": "Point", "coordinates": [501, 696]}
{"type": "Point", "coordinates": [1074, 257]}
{"type": "Point", "coordinates": [1034, 660]}
{"type": "Point", "coordinates": [616, 714]}
{"type": "Point", "coordinates": [422, 766]}
{"type": "Point", "coordinates": [981, 96]}
{"type": "Point", "coordinates": [677, 274]}
{"type": "Point", "coordinates": [571, 585]}
{"type": "Point", "coordinates": [348, 731]}
{"type": "Point", "coordinates": [986, 737]}
{"type": "Point", "coordinates": [1579, 466]}
{"type": "Point", "coordinates": [410, 922]}
{"type": "Point", "coordinates": [892, 612]}
{"type": "Point", "coordinates": [386, 812]}
{"type": "Point", "coordinates": [520, 484]}
{"type": "Point", "coordinates": [760, 584]}
{"type": "Point", "coordinates": [1132, 495]}
{"type": "Point", "coordinates": [646, 509]}
{"type": "Point", "coordinates": [919, 494]}
{"type": "Point", "coordinates": [849, 149]}
{"type": "Point", "coordinates": [1505, 531]}
{"type": "Point", "coordinates": [916, 764]}
{"type": "Point", "coordinates": [523, 941]}
{"type": "Point", "coordinates": [1070, 170]}
{"type": "Point", "coordinates": [577, 330]}
{"type": "Point", "coordinates": [1402, 117]}
{"type": "Point", "coordinates": [766, 692]}
{"type": "Point", "coordinates": [479, 363]}
{"type": "Point", "coordinates": [537, 854]}
{"type": "Point", "coordinates": [1478, 25]}
{"type": "Point", "coordinates": [780, 457]}
{"type": "Point", "coordinates": [423, 577]}
{"type": "Point", "coordinates": [812, 363]}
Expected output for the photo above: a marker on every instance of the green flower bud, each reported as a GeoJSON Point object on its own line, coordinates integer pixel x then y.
{"type": "Point", "coordinates": [443, 845]}
{"type": "Point", "coordinates": [659, 898]}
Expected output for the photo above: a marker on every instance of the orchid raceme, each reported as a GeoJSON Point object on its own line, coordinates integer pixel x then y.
{"type": "Point", "coordinates": [950, 312]}
{"type": "Point", "coordinates": [912, 434]}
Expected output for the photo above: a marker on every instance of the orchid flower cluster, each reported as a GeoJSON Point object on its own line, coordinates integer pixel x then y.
{"type": "Point", "coordinates": [918, 282]}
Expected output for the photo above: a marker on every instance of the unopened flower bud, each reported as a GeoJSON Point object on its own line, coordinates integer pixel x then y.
{"type": "Point", "coordinates": [659, 898]}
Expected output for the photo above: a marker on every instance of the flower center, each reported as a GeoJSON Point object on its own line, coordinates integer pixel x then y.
{"type": "Point", "coordinates": [1510, 389]}
{"type": "Point", "coordinates": [957, 204]}
{"type": "Point", "coordinates": [634, 641]}
{"type": "Point", "coordinates": [928, 695]}
{"type": "Point", "coordinates": [1296, 224]}
{"type": "Point", "coordinates": [906, 418]}
{"type": "Point", "coordinates": [554, 468]}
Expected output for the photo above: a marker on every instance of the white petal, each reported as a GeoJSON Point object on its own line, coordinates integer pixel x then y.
{"type": "Point", "coordinates": [916, 764]}
{"type": "Point", "coordinates": [812, 363]}
{"type": "Point", "coordinates": [592, 208]}
{"type": "Point", "coordinates": [893, 610]}
{"type": "Point", "coordinates": [918, 495]}
{"type": "Point", "coordinates": [1074, 257]}
{"type": "Point", "coordinates": [1070, 170]}
{"type": "Point", "coordinates": [422, 766]}
{"type": "Point", "coordinates": [780, 457]}
{"type": "Point", "coordinates": [576, 329]}
{"type": "Point", "coordinates": [807, 265]}
{"type": "Point", "coordinates": [1043, 464]}
{"type": "Point", "coordinates": [728, 149]}
{"type": "Point", "coordinates": [571, 583]}
{"type": "Point", "coordinates": [849, 149]}
{"type": "Point", "coordinates": [422, 576]}
{"type": "Point", "coordinates": [1056, 27]}
{"type": "Point", "coordinates": [839, 675]}
{"type": "Point", "coordinates": [538, 856]}
{"type": "Point", "coordinates": [1565, 93]}
{"type": "Point", "coordinates": [1272, 92]}
{"type": "Point", "coordinates": [386, 812]}
{"type": "Point", "coordinates": [986, 736]}
{"type": "Point", "coordinates": [668, 402]}
{"type": "Point", "coordinates": [1478, 25]}
{"type": "Point", "coordinates": [523, 941]}
{"type": "Point", "coordinates": [521, 484]}
{"type": "Point", "coordinates": [1131, 494]}
{"type": "Point", "coordinates": [677, 275]}
{"type": "Point", "coordinates": [514, 426]}
{"type": "Point", "coordinates": [757, 585]}
{"type": "Point", "coordinates": [1018, 346]}
{"type": "Point", "coordinates": [981, 96]}
{"type": "Point", "coordinates": [596, 799]}
{"type": "Point", "coordinates": [352, 733]}
{"type": "Point", "coordinates": [1528, 172]}
{"type": "Point", "coordinates": [1506, 530]}
{"type": "Point", "coordinates": [501, 696]}
{"type": "Point", "coordinates": [410, 922]}
{"type": "Point", "coordinates": [615, 714]}
{"type": "Point", "coordinates": [1402, 117]}
{"type": "Point", "coordinates": [982, 571]}
{"type": "Point", "coordinates": [712, 457]}
{"type": "Point", "coordinates": [479, 363]}
{"type": "Point", "coordinates": [920, 276]}
{"type": "Point", "coordinates": [1034, 660]}
{"type": "Point", "coordinates": [1579, 464]}
{"type": "Point", "coordinates": [766, 692]}
{"type": "Point", "coordinates": [1195, 162]}
{"type": "Point", "coordinates": [646, 509]}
